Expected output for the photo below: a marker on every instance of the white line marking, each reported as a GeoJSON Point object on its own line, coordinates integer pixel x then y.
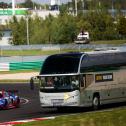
{"type": "Point", "coordinates": [26, 101]}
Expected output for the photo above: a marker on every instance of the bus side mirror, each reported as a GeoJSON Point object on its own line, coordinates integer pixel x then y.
{"type": "Point", "coordinates": [32, 83]}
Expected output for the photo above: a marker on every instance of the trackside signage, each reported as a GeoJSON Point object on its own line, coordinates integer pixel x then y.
{"type": "Point", "coordinates": [9, 12]}
{"type": "Point", "coordinates": [104, 77]}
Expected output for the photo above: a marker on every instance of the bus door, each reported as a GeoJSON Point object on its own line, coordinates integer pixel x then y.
{"type": "Point", "coordinates": [82, 88]}
{"type": "Point", "coordinates": [85, 81]}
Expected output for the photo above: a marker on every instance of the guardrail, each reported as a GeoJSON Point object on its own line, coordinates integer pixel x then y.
{"type": "Point", "coordinates": [55, 46]}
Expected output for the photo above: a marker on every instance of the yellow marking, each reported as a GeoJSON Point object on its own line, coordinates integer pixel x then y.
{"type": "Point", "coordinates": [66, 96]}
{"type": "Point", "coordinates": [99, 77]}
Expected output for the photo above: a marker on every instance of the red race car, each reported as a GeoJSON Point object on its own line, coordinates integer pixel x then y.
{"type": "Point", "coordinates": [9, 99]}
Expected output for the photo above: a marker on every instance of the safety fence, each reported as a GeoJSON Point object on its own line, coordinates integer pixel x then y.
{"type": "Point", "coordinates": [58, 47]}
{"type": "Point", "coordinates": [21, 66]}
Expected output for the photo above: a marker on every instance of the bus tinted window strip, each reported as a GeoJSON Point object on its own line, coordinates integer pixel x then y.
{"type": "Point", "coordinates": [102, 67]}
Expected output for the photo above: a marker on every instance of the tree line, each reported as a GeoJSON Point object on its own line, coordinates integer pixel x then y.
{"type": "Point", "coordinates": [65, 27]}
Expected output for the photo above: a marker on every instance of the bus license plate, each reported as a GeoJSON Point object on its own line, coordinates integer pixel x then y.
{"type": "Point", "coordinates": [57, 102]}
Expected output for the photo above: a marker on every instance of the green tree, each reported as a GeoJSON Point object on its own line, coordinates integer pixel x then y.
{"type": "Point", "coordinates": [101, 26]}
{"type": "Point", "coordinates": [36, 30]}
{"type": "Point", "coordinates": [28, 4]}
{"type": "Point", "coordinates": [121, 26]}
{"type": "Point", "coordinates": [64, 29]}
{"type": "Point", "coordinates": [48, 28]}
{"type": "Point", "coordinates": [18, 31]}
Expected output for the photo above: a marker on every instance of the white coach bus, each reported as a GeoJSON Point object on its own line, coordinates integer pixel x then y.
{"type": "Point", "coordinates": [83, 79]}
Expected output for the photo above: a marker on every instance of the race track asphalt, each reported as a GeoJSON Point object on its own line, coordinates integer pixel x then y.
{"type": "Point", "coordinates": [32, 108]}
{"type": "Point", "coordinates": [26, 111]}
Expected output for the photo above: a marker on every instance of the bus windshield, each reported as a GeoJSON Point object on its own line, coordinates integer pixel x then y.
{"type": "Point", "coordinates": [61, 64]}
{"type": "Point", "coordinates": [59, 83]}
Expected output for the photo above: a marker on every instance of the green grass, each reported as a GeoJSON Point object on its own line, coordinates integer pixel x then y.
{"type": "Point", "coordinates": [116, 42]}
{"type": "Point", "coordinates": [26, 52]}
{"type": "Point", "coordinates": [10, 81]}
{"type": "Point", "coordinates": [36, 52]}
{"type": "Point", "coordinates": [17, 81]}
{"type": "Point", "coordinates": [18, 71]}
{"type": "Point", "coordinates": [115, 117]}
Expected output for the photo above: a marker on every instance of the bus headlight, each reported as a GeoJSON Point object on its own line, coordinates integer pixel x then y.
{"type": "Point", "coordinates": [70, 97]}
{"type": "Point", "coordinates": [66, 96]}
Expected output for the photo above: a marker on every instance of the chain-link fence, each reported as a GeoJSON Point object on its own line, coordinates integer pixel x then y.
{"type": "Point", "coordinates": [54, 46]}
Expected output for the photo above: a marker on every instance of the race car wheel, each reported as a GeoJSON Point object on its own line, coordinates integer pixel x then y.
{"type": "Point", "coordinates": [6, 104]}
{"type": "Point", "coordinates": [17, 103]}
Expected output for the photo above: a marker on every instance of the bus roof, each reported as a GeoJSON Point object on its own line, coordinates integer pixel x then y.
{"type": "Point", "coordinates": [103, 60]}
{"type": "Point", "coordinates": [102, 50]}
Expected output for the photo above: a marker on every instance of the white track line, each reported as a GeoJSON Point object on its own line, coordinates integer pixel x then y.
{"type": "Point", "coordinates": [25, 100]}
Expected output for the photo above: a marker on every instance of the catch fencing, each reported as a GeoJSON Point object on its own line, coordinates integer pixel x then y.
{"type": "Point", "coordinates": [55, 46]}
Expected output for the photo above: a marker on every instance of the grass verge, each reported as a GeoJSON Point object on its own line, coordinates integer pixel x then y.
{"type": "Point", "coordinates": [116, 117]}
{"type": "Point", "coordinates": [18, 71]}
{"type": "Point", "coordinates": [48, 52]}
{"type": "Point", "coordinates": [114, 42]}
{"type": "Point", "coordinates": [37, 52]}
{"type": "Point", "coordinates": [12, 81]}
{"type": "Point", "coordinates": [17, 81]}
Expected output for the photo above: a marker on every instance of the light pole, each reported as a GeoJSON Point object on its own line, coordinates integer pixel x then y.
{"type": "Point", "coordinates": [13, 7]}
{"type": "Point", "coordinates": [75, 7]}
{"type": "Point", "coordinates": [83, 5]}
{"type": "Point", "coordinates": [113, 8]}
{"type": "Point", "coordinates": [33, 5]}
{"type": "Point", "coordinates": [27, 28]}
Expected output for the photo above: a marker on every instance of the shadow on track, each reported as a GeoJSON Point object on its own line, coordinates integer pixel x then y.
{"type": "Point", "coordinates": [73, 110]}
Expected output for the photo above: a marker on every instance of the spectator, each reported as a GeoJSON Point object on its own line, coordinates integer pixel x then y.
{"type": "Point", "coordinates": [75, 81]}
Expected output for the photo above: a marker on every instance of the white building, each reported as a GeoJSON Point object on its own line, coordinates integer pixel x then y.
{"type": "Point", "coordinates": [44, 13]}
{"type": "Point", "coordinates": [55, 2]}
{"type": "Point", "coordinates": [6, 38]}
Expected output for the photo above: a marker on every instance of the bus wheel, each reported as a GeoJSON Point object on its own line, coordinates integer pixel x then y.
{"type": "Point", "coordinates": [96, 102]}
